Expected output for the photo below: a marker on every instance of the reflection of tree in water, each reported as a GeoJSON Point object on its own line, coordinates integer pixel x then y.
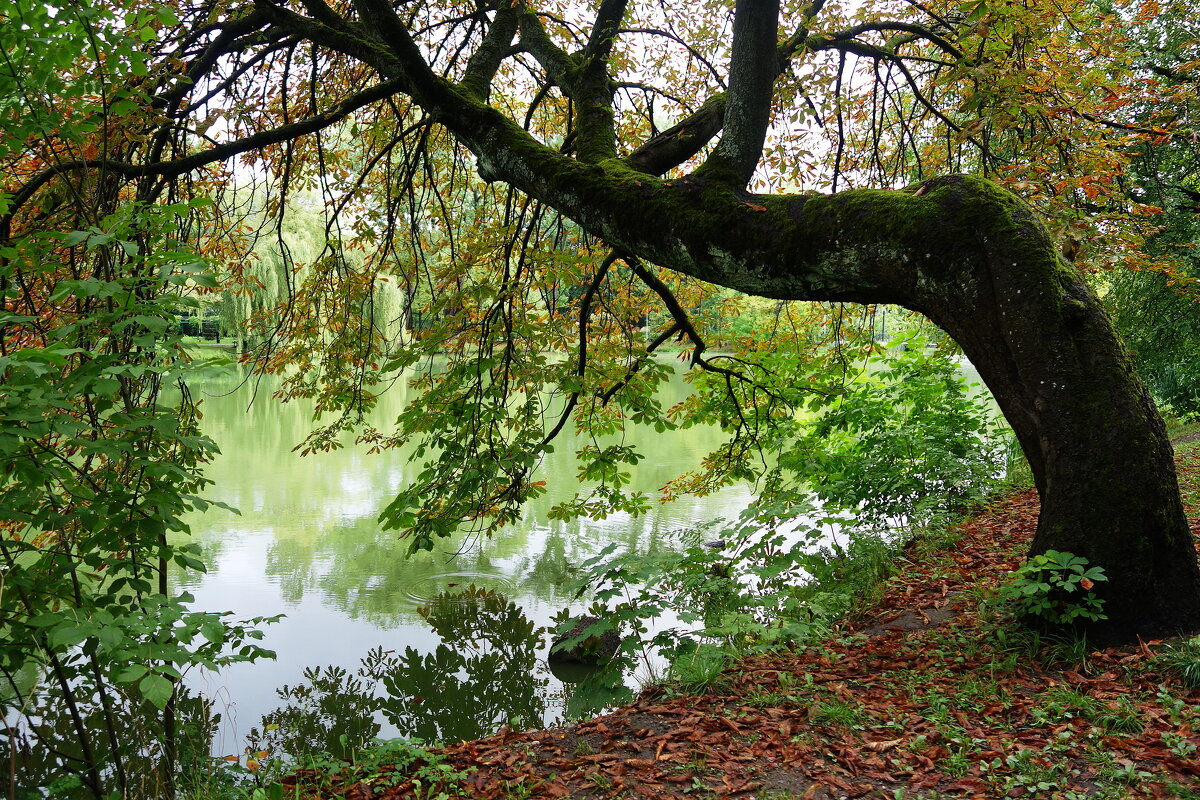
{"type": "Point", "coordinates": [488, 675]}
{"type": "Point", "coordinates": [484, 673]}
{"type": "Point", "coordinates": [331, 712]}
{"type": "Point", "coordinates": [46, 758]}
{"type": "Point", "coordinates": [318, 517]}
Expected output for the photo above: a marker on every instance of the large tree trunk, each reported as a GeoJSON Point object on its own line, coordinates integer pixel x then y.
{"type": "Point", "coordinates": [971, 256]}
{"type": "Point", "coordinates": [975, 260]}
{"type": "Point", "coordinates": [1098, 449]}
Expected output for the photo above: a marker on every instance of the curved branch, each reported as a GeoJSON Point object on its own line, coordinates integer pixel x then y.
{"type": "Point", "coordinates": [562, 23]}
{"type": "Point", "coordinates": [799, 38]}
{"type": "Point", "coordinates": [919, 31]}
{"type": "Point", "coordinates": [912, 83]}
{"type": "Point", "coordinates": [651, 91]}
{"type": "Point", "coordinates": [485, 61]}
{"type": "Point", "coordinates": [685, 139]}
{"type": "Point", "coordinates": [558, 63]}
{"type": "Point", "coordinates": [611, 391]}
{"type": "Point", "coordinates": [585, 313]}
{"type": "Point", "coordinates": [387, 47]}
{"type": "Point", "coordinates": [683, 323]}
{"type": "Point", "coordinates": [227, 41]}
{"type": "Point", "coordinates": [221, 152]}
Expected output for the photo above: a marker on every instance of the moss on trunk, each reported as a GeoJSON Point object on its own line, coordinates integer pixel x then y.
{"type": "Point", "coordinates": [974, 259]}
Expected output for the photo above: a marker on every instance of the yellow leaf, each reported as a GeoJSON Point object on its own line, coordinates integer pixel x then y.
{"type": "Point", "coordinates": [884, 746]}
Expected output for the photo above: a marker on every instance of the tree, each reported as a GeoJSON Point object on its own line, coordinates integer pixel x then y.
{"type": "Point", "coordinates": [1155, 310]}
{"type": "Point", "coordinates": [97, 468]}
{"type": "Point", "coordinates": [550, 106]}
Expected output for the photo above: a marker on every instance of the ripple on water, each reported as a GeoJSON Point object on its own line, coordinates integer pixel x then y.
{"type": "Point", "coordinates": [429, 587]}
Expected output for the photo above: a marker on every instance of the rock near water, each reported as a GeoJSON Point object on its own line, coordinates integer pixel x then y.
{"type": "Point", "coordinates": [593, 649]}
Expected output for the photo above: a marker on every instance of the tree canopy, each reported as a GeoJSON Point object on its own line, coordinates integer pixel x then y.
{"type": "Point", "coordinates": [543, 194]}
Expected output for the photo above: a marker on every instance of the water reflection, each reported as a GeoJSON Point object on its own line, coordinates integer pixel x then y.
{"type": "Point", "coordinates": [48, 758]}
{"type": "Point", "coordinates": [308, 544]}
{"type": "Point", "coordinates": [485, 672]}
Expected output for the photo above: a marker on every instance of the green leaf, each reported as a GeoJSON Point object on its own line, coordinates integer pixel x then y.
{"type": "Point", "coordinates": [131, 673]}
{"type": "Point", "coordinates": [156, 689]}
{"type": "Point", "coordinates": [70, 635]}
{"type": "Point", "coordinates": [110, 637]}
{"type": "Point", "coordinates": [190, 562]}
{"type": "Point", "coordinates": [214, 631]}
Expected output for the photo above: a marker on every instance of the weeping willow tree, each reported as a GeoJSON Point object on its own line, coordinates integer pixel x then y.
{"type": "Point", "coordinates": [542, 179]}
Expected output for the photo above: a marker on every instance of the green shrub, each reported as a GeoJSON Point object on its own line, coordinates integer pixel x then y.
{"type": "Point", "coordinates": [905, 444]}
{"type": "Point", "coordinates": [1055, 588]}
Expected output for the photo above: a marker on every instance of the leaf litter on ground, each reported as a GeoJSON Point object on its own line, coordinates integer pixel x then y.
{"type": "Point", "coordinates": [931, 693]}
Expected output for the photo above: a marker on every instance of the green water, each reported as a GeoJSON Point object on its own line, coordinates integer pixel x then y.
{"type": "Point", "coordinates": [308, 545]}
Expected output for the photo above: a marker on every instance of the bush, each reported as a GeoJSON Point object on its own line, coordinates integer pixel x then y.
{"type": "Point", "coordinates": [1183, 661]}
{"type": "Point", "coordinates": [1055, 588]}
{"type": "Point", "coordinates": [907, 444]}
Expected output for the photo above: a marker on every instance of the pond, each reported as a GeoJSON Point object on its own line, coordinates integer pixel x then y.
{"type": "Point", "coordinates": [438, 646]}
{"type": "Point", "coordinates": [452, 662]}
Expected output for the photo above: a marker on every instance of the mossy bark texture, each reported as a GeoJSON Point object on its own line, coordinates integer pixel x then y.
{"type": "Point", "coordinates": [967, 254]}
{"type": "Point", "coordinates": [976, 261]}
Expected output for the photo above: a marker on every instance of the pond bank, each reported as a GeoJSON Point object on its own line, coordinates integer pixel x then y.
{"type": "Point", "coordinates": [931, 693]}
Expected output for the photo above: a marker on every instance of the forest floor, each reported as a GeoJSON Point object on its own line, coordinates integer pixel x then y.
{"type": "Point", "coordinates": [931, 693]}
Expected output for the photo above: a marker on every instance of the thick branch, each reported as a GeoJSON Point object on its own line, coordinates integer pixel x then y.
{"type": "Point", "coordinates": [485, 61]}
{"type": "Point", "coordinates": [596, 127]}
{"type": "Point", "coordinates": [423, 84]}
{"type": "Point", "coordinates": [560, 66]}
{"type": "Point", "coordinates": [681, 141]}
{"type": "Point", "coordinates": [754, 65]}
{"type": "Point", "coordinates": [685, 139]}
{"type": "Point", "coordinates": [604, 31]}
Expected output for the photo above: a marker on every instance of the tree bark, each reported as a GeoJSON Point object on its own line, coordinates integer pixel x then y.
{"type": "Point", "coordinates": [976, 261]}
{"type": "Point", "coordinates": [1097, 446]}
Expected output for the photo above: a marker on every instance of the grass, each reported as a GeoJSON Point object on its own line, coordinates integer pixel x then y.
{"type": "Point", "coordinates": [1182, 660]}
{"type": "Point", "coordinates": [841, 713]}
